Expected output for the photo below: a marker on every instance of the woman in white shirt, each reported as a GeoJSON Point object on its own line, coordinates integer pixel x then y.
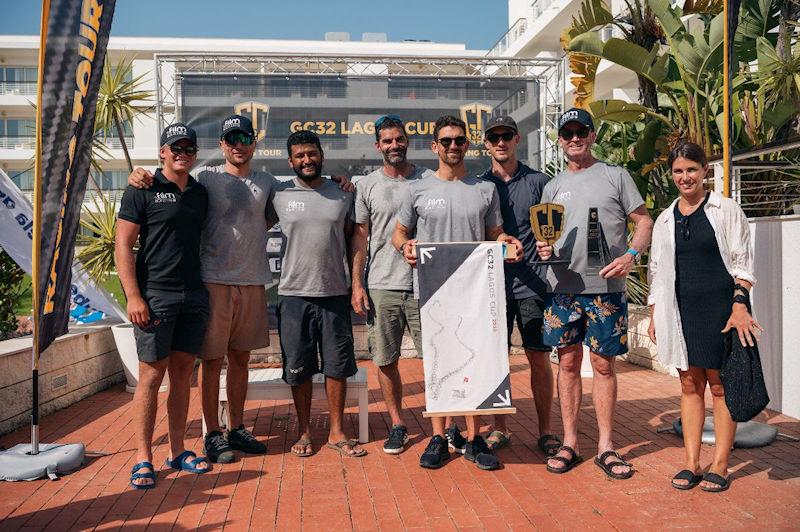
{"type": "Point", "coordinates": [700, 273]}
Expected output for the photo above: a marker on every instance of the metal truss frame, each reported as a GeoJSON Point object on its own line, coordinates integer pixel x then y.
{"type": "Point", "coordinates": [548, 72]}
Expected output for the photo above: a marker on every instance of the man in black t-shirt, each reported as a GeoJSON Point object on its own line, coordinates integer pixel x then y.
{"type": "Point", "coordinates": [167, 302]}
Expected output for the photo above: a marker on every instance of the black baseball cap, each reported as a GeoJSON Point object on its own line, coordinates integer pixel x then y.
{"type": "Point", "coordinates": [501, 121]}
{"type": "Point", "coordinates": [580, 116]}
{"type": "Point", "coordinates": [177, 131]}
{"type": "Point", "coordinates": [237, 123]}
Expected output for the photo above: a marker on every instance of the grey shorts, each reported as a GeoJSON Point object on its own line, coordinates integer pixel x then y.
{"type": "Point", "coordinates": [316, 336]}
{"type": "Point", "coordinates": [391, 313]}
{"type": "Point", "coordinates": [178, 322]}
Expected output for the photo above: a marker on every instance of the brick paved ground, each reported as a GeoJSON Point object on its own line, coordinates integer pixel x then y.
{"type": "Point", "coordinates": [326, 492]}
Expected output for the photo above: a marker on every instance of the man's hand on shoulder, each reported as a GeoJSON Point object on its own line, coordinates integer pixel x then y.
{"type": "Point", "coordinates": [140, 178]}
{"type": "Point", "coordinates": [344, 183]}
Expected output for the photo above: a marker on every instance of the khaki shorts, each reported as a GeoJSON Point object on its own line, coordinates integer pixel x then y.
{"type": "Point", "coordinates": [237, 321]}
{"type": "Point", "coordinates": [391, 313]}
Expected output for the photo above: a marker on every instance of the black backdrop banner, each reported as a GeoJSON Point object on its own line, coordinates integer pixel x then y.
{"type": "Point", "coordinates": [73, 48]}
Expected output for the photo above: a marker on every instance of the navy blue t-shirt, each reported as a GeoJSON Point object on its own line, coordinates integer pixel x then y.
{"type": "Point", "coordinates": [169, 222]}
{"type": "Point", "coordinates": [523, 279]}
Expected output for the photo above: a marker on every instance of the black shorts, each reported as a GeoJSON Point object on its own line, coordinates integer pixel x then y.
{"type": "Point", "coordinates": [177, 323]}
{"type": "Point", "coordinates": [528, 313]}
{"type": "Point", "coordinates": [316, 336]}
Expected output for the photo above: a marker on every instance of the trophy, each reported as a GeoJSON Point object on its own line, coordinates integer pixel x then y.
{"type": "Point", "coordinates": [598, 255]}
{"type": "Point", "coordinates": [547, 222]}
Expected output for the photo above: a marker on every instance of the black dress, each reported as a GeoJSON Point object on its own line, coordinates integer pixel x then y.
{"type": "Point", "coordinates": [704, 288]}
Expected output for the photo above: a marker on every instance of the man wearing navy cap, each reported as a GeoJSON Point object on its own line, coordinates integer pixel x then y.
{"type": "Point", "coordinates": [585, 305]}
{"type": "Point", "coordinates": [167, 302]}
{"type": "Point", "coordinates": [519, 187]}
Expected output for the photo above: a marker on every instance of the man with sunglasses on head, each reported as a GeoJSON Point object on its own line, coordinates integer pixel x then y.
{"type": "Point", "coordinates": [519, 187]}
{"type": "Point", "coordinates": [234, 267]}
{"type": "Point", "coordinates": [387, 297]}
{"type": "Point", "coordinates": [166, 300]}
{"type": "Point", "coordinates": [585, 306]}
{"type": "Point", "coordinates": [451, 206]}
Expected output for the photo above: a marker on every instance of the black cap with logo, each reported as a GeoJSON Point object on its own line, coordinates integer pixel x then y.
{"type": "Point", "coordinates": [579, 116]}
{"type": "Point", "coordinates": [177, 131]}
{"type": "Point", "coordinates": [501, 121]}
{"type": "Point", "coordinates": [237, 123]}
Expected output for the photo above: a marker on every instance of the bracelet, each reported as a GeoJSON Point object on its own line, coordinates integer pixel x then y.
{"type": "Point", "coordinates": [741, 288]}
{"type": "Point", "coordinates": [744, 300]}
{"type": "Point", "coordinates": [633, 252]}
{"type": "Point", "coordinates": [403, 247]}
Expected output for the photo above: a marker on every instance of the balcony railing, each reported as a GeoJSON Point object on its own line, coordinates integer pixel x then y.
{"type": "Point", "coordinates": [17, 143]}
{"type": "Point", "coordinates": [114, 143]}
{"type": "Point", "coordinates": [504, 43]}
{"type": "Point", "coordinates": [539, 6]}
{"type": "Point", "coordinates": [17, 88]}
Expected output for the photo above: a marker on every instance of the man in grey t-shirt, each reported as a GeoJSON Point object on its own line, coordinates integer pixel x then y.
{"type": "Point", "coordinates": [451, 207]}
{"type": "Point", "coordinates": [585, 305]}
{"type": "Point", "coordinates": [314, 308]}
{"type": "Point", "coordinates": [387, 297]}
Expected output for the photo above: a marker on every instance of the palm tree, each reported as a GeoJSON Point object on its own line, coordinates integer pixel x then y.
{"type": "Point", "coordinates": [116, 102]}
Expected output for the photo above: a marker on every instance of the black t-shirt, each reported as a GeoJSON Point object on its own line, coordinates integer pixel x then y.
{"type": "Point", "coordinates": [169, 236]}
{"type": "Point", "coordinates": [516, 198]}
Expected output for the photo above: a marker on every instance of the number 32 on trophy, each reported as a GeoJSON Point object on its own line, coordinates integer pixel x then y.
{"type": "Point", "coordinates": [547, 223]}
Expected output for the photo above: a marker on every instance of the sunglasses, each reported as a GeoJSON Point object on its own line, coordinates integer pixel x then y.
{"type": "Point", "coordinates": [683, 222]}
{"type": "Point", "coordinates": [188, 150]}
{"type": "Point", "coordinates": [447, 141]}
{"type": "Point", "coordinates": [232, 139]}
{"type": "Point", "coordinates": [494, 137]}
{"type": "Point", "coordinates": [568, 134]}
{"type": "Point", "coordinates": [394, 118]}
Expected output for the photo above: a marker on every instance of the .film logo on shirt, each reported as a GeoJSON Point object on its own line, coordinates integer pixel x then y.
{"type": "Point", "coordinates": [435, 203]}
{"type": "Point", "coordinates": [166, 197]}
{"type": "Point", "coordinates": [296, 206]}
{"type": "Point", "coordinates": [564, 196]}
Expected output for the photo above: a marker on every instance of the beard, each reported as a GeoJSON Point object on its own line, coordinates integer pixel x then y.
{"type": "Point", "coordinates": [395, 158]}
{"type": "Point", "coordinates": [298, 170]}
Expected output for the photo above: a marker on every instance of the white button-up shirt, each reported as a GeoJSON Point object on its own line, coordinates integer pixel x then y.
{"type": "Point", "coordinates": [733, 238]}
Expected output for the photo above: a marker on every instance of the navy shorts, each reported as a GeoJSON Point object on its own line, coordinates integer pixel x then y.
{"type": "Point", "coordinates": [178, 322]}
{"type": "Point", "coordinates": [598, 320]}
{"type": "Point", "coordinates": [528, 313]}
{"type": "Point", "coordinates": [316, 336]}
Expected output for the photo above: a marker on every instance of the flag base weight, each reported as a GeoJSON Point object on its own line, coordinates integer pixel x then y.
{"type": "Point", "coordinates": [53, 459]}
{"type": "Point", "coordinates": [748, 435]}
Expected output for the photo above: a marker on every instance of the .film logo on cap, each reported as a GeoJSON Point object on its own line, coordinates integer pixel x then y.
{"type": "Point", "coordinates": [232, 122]}
{"type": "Point", "coordinates": [176, 130]}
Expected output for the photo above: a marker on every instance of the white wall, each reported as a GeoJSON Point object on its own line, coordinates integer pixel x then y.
{"type": "Point", "coordinates": [776, 300]}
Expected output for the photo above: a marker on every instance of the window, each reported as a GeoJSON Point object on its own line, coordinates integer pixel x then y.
{"type": "Point", "coordinates": [19, 74]}
{"type": "Point", "coordinates": [17, 128]}
{"type": "Point", "coordinates": [109, 180]}
{"type": "Point", "coordinates": [23, 179]}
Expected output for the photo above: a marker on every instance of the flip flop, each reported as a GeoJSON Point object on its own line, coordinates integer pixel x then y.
{"type": "Point", "coordinates": [305, 443]}
{"type": "Point", "coordinates": [339, 446]}
{"type": "Point", "coordinates": [501, 439]}
{"type": "Point", "coordinates": [150, 474]}
{"type": "Point", "coordinates": [569, 463]}
{"type": "Point", "coordinates": [692, 479]}
{"type": "Point", "coordinates": [549, 449]}
{"type": "Point", "coordinates": [179, 463]}
{"type": "Point", "coordinates": [722, 483]}
{"type": "Point", "coordinates": [608, 467]}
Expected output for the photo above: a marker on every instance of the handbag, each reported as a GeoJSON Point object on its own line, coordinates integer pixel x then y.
{"type": "Point", "coordinates": [743, 379]}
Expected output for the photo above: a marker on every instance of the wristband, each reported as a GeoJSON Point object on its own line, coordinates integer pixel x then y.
{"type": "Point", "coordinates": [633, 252]}
{"type": "Point", "coordinates": [744, 300]}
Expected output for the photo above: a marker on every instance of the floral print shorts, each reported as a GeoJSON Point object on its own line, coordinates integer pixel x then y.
{"type": "Point", "coordinates": [599, 320]}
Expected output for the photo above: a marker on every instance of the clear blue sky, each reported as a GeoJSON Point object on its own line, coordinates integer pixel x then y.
{"type": "Point", "coordinates": [477, 23]}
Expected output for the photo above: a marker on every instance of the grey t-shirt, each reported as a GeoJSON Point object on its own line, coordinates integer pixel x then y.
{"type": "Point", "coordinates": [315, 254]}
{"type": "Point", "coordinates": [613, 192]}
{"type": "Point", "coordinates": [378, 198]}
{"type": "Point", "coordinates": [233, 248]}
{"type": "Point", "coordinates": [450, 211]}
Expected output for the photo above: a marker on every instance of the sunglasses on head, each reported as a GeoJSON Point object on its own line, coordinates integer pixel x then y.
{"type": "Point", "coordinates": [188, 150]}
{"type": "Point", "coordinates": [394, 118]}
{"type": "Point", "coordinates": [568, 134]}
{"type": "Point", "coordinates": [447, 141]}
{"type": "Point", "coordinates": [238, 137]}
{"type": "Point", "coordinates": [493, 137]}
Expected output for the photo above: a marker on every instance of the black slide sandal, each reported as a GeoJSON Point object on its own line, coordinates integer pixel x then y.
{"type": "Point", "coordinates": [569, 463]}
{"type": "Point", "coordinates": [722, 483]}
{"type": "Point", "coordinates": [692, 479]}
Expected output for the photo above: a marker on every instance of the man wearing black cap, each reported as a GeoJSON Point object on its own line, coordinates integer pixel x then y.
{"type": "Point", "coordinates": [519, 187]}
{"type": "Point", "coordinates": [167, 302]}
{"type": "Point", "coordinates": [587, 304]}
{"type": "Point", "coordinates": [234, 268]}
